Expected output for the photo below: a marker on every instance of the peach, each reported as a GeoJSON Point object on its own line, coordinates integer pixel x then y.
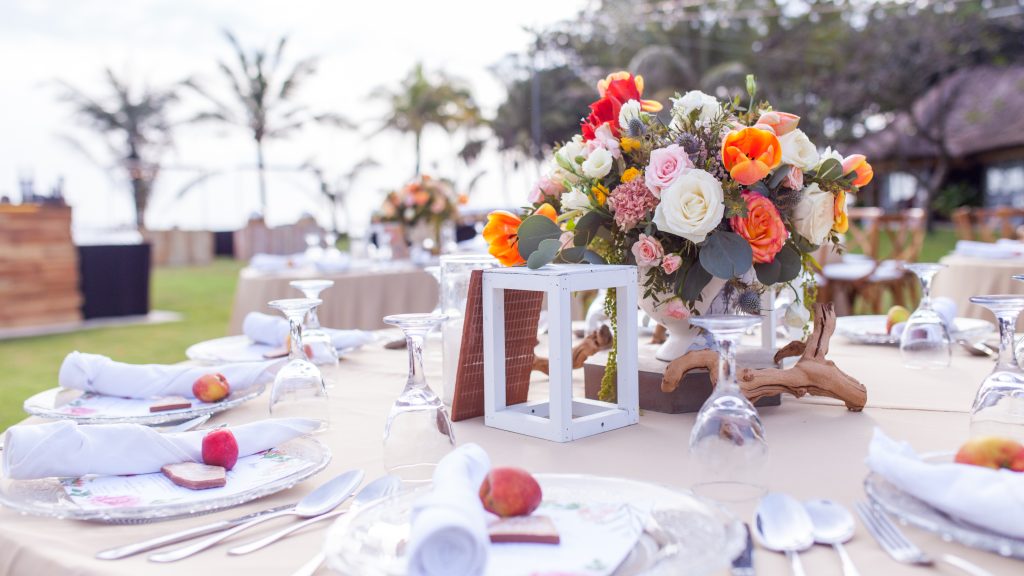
{"type": "Point", "coordinates": [896, 315]}
{"type": "Point", "coordinates": [211, 387]}
{"type": "Point", "coordinates": [510, 492]}
{"type": "Point", "coordinates": [992, 452]}
{"type": "Point", "coordinates": [220, 448]}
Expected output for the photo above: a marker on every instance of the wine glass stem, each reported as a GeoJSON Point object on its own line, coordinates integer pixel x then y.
{"type": "Point", "coordinates": [1007, 324]}
{"type": "Point", "coordinates": [414, 341]}
{"type": "Point", "coordinates": [312, 320]}
{"type": "Point", "coordinates": [926, 290]}
{"type": "Point", "coordinates": [295, 351]}
{"type": "Point", "coordinates": [726, 365]}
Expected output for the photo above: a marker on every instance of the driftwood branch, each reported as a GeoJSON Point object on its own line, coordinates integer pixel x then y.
{"type": "Point", "coordinates": [600, 339]}
{"type": "Point", "coordinates": [813, 374]}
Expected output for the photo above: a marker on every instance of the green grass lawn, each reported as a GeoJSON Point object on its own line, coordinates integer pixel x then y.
{"type": "Point", "coordinates": [203, 295]}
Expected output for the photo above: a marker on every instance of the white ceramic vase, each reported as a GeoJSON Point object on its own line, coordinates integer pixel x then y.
{"type": "Point", "coordinates": [680, 333]}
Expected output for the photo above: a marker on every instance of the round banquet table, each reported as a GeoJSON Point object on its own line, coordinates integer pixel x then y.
{"type": "Point", "coordinates": [817, 451]}
{"type": "Point", "coordinates": [967, 276]}
{"type": "Point", "coordinates": [359, 299]}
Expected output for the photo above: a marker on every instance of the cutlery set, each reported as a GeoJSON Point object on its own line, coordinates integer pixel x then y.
{"type": "Point", "coordinates": [783, 524]}
{"type": "Point", "coordinates": [315, 507]}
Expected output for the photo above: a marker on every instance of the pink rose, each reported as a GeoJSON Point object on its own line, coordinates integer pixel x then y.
{"type": "Point", "coordinates": [779, 122]}
{"type": "Point", "coordinates": [544, 188]}
{"type": "Point", "coordinates": [671, 262]}
{"type": "Point", "coordinates": [676, 309]}
{"type": "Point", "coordinates": [665, 166]}
{"type": "Point", "coordinates": [603, 138]}
{"type": "Point", "coordinates": [795, 179]}
{"type": "Point", "coordinates": [648, 251]}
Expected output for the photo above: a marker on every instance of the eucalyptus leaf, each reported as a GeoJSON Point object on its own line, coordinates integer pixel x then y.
{"type": "Point", "coordinates": [592, 257]}
{"type": "Point", "coordinates": [768, 272]}
{"type": "Point", "coordinates": [790, 263]}
{"type": "Point", "coordinates": [830, 169]}
{"type": "Point", "coordinates": [780, 174]}
{"type": "Point", "coordinates": [544, 254]}
{"type": "Point", "coordinates": [587, 227]}
{"type": "Point", "coordinates": [694, 281]}
{"type": "Point", "coordinates": [760, 188]}
{"type": "Point", "coordinates": [533, 231]}
{"type": "Point", "coordinates": [803, 244]}
{"type": "Point", "coordinates": [573, 254]}
{"type": "Point", "coordinates": [726, 255]}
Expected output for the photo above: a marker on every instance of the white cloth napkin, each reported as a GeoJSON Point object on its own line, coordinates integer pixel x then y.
{"type": "Point", "coordinates": [992, 499]}
{"type": "Point", "coordinates": [99, 374]}
{"type": "Point", "coordinates": [449, 526]}
{"type": "Point", "coordinates": [273, 331]}
{"type": "Point", "coordinates": [973, 249]}
{"type": "Point", "coordinates": [67, 449]}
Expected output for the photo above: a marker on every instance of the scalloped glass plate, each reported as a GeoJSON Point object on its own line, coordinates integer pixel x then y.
{"type": "Point", "coordinates": [684, 535]}
{"type": "Point", "coordinates": [49, 496]}
{"type": "Point", "coordinates": [870, 329]}
{"type": "Point", "coordinates": [231, 349]}
{"type": "Point", "coordinates": [913, 511]}
{"type": "Point", "coordinates": [88, 408]}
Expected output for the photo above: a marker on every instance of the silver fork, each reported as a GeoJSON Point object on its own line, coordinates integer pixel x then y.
{"type": "Point", "coordinates": [902, 550]}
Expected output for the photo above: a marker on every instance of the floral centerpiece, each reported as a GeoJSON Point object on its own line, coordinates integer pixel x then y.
{"type": "Point", "coordinates": [715, 203]}
{"type": "Point", "coordinates": [421, 207]}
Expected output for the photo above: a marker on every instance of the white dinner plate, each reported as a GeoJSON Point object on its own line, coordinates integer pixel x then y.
{"type": "Point", "coordinates": [921, 514]}
{"type": "Point", "coordinates": [682, 534]}
{"type": "Point", "coordinates": [232, 349]}
{"type": "Point", "coordinates": [90, 408]}
{"type": "Point", "coordinates": [870, 329]}
{"type": "Point", "coordinates": [152, 497]}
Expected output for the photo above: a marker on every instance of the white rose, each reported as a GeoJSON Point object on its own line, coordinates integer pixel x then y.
{"type": "Point", "coordinates": [694, 100]}
{"type": "Point", "coordinates": [629, 111]}
{"type": "Point", "coordinates": [828, 153]}
{"type": "Point", "coordinates": [598, 164]}
{"type": "Point", "coordinates": [570, 151]}
{"type": "Point", "coordinates": [797, 150]}
{"type": "Point", "coordinates": [575, 200]}
{"type": "Point", "coordinates": [813, 215]}
{"type": "Point", "coordinates": [692, 206]}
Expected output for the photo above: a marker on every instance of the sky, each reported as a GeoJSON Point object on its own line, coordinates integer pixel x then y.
{"type": "Point", "coordinates": [361, 45]}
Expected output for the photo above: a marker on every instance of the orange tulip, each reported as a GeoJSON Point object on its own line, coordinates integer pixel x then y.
{"type": "Point", "coordinates": [501, 234]}
{"type": "Point", "coordinates": [842, 221]}
{"type": "Point", "coordinates": [859, 164]}
{"type": "Point", "coordinates": [750, 154]}
{"type": "Point", "coordinates": [780, 122]}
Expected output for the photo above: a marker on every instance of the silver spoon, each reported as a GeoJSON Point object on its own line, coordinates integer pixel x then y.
{"type": "Point", "coordinates": [319, 501]}
{"type": "Point", "coordinates": [783, 525]}
{"type": "Point", "coordinates": [379, 488]}
{"type": "Point", "coordinates": [833, 525]}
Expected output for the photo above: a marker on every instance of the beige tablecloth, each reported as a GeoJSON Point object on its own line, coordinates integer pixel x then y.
{"type": "Point", "coordinates": [358, 299]}
{"type": "Point", "coordinates": [966, 276]}
{"type": "Point", "coordinates": [817, 451]}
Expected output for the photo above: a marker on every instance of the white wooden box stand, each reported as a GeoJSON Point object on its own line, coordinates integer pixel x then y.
{"type": "Point", "coordinates": [561, 418]}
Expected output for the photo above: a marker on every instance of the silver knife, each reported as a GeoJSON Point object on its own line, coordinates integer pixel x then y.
{"type": "Point", "coordinates": [743, 565]}
{"type": "Point", "coordinates": [161, 541]}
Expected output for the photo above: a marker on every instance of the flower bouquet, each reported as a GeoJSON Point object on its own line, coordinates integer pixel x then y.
{"type": "Point", "coordinates": [421, 207]}
{"type": "Point", "coordinates": [714, 203]}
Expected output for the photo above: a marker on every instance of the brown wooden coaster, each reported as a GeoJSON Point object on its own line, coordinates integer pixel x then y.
{"type": "Point", "coordinates": [522, 315]}
{"type": "Point", "coordinates": [170, 403]}
{"type": "Point", "coordinates": [195, 476]}
{"type": "Point", "coordinates": [524, 529]}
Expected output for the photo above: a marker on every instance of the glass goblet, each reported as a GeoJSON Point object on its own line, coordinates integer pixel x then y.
{"type": "Point", "coordinates": [418, 432]}
{"type": "Point", "coordinates": [925, 341]}
{"type": "Point", "coordinates": [1019, 347]}
{"type": "Point", "coordinates": [318, 343]}
{"type": "Point", "coordinates": [314, 250]}
{"type": "Point", "coordinates": [998, 408]}
{"type": "Point", "coordinates": [728, 438]}
{"type": "Point", "coordinates": [299, 389]}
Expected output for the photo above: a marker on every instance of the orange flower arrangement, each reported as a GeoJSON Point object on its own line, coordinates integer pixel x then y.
{"type": "Point", "coordinates": [762, 227]}
{"type": "Point", "coordinates": [749, 154]}
{"type": "Point", "coordinates": [501, 234]}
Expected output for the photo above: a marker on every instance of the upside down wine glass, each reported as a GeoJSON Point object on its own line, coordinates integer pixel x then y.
{"type": "Point", "coordinates": [728, 438]}
{"type": "Point", "coordinates": [1019, 346]}
{"type": "Point", "coordinates": [318, 343]}
{"type": "Point", "coordinates": [418, 432]}
{"type": "Point", "coordinates": [925, 341]}
{"type": "Point", "coordinates": [298, 389]}
{"type": "Point", "coordinates": [998, 408]}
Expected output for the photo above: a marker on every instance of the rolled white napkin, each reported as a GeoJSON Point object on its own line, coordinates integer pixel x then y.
{"type": "Point", "coordinates": [449, 526]}
{"type": "Point", "coordinates": [273, 331]}
{"type": "Point", "coordinates": [67, 449]}
{"type": "Point", "coordinates": [992, 499]}
{"type": "Point", "coordinates": [100, 374]}
{"type": "Point", "coordinates": [973, 249]}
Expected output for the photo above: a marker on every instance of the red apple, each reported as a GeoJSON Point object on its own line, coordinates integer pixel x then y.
{"type": "Point", "coordinates": [211, 387]}
{"type": "Point", "coordinates": [220, 448]}
{"type": "Point", "coordinates": [510, 492]}
{"type": "Point", "coordinates": [992, 452]}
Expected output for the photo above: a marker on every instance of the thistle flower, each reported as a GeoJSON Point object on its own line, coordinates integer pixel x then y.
{"type": "Point", "coordinates": [636, 128]}
{"type": "Point", "coordinates": [750, 302]}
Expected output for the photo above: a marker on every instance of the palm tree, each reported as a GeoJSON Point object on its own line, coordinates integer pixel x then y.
{"type": "Point", "coordinates": [135, 127]}
{"type": "Point", "coordinates": [263, 93]}
{"type": "Point", "coordinates": [421, 101]}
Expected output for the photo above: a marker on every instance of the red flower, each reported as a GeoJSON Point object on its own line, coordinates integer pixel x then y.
{"type": "Point", "coordinates": [617, 89]}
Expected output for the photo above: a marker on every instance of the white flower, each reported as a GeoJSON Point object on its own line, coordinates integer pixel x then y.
{"type": "Point", "coordinates": [813, 216]}
{"type": "Point", "coordinates": [575, 200]}
{"type": "Point", "coordinates": [797, 150]}
{"type": "Point", "coordinates": [694, 100]}
{"type": "Point", "coordinates": [629, 111]}
{"type": "Point", "coordinates": [598, 164]}
{"type": "Point", "coordinates": [828, 153]}
{"type": "Point", "coordinates": [603, 138]}
{"type": "Point", "coordinates": [691, 207]}
{"type": "Point", "coordinates": [797, 315]}
{"type": "Point", "coordinates": [570, 151]}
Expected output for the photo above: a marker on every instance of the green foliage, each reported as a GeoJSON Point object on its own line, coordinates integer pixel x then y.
{"type": "Point", "coordinates": [785, 267]}
{"type": "Point", "coordinates": [954, 196]}
{"type": "Point", "coordinates": [545, 253]}
{"type": "Point", "coordinates": [534, 230]}
{"type": "Point", "coordinates": [726, 255]}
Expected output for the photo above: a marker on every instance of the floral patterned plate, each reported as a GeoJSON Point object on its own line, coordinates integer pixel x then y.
{"type": "Point", "coordinates": [152, 497]}
{"type": "Point", "coordinates": [90, 408]}
{"type": "Point", "coordinates": [612, 526]}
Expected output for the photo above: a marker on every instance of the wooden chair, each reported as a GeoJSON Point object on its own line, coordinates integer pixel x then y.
{"type": "Point", "coordinates": [987, 224]}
